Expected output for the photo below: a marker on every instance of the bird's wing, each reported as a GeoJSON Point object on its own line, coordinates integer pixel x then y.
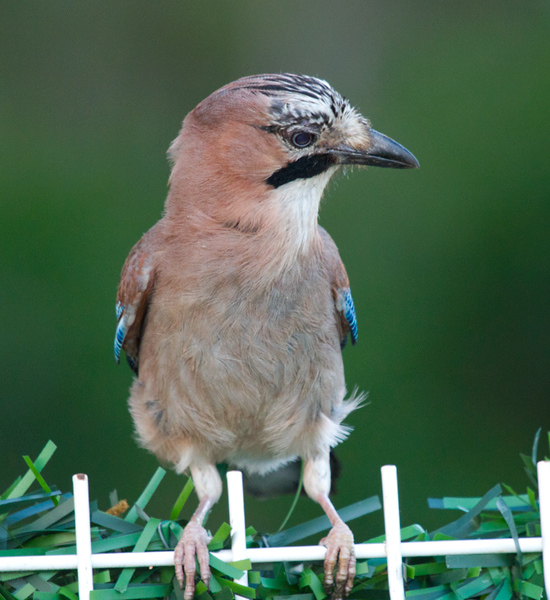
{"type": "Point", "coordinates": [136, 286]}
{"type": "Point", "coordinates": [341, 292]}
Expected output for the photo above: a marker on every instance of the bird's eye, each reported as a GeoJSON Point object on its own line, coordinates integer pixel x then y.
{"type": "Point", "coordinates": [302, 139]}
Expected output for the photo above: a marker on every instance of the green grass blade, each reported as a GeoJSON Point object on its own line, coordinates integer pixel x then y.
{"type": "Point", "coordinates": [182, 499]}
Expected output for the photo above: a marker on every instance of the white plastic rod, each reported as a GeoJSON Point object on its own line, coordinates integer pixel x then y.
{"type": "Point", "coordinates": [85, 560]}
{"type": "Point", "coordinates": [83, 536]}
{"type": "Point", "coordinates": [454, 547]}
{"type": "Point", "coordinates": [54, 562]}
{"type": "Point", "coordinates": [392, 527]}
{"type": "Point", "coordinates": [236, 519]}
{"type": "Point", "coordinates": [58, 562]}
{"type": "Point", "coordinates": [543, 471]}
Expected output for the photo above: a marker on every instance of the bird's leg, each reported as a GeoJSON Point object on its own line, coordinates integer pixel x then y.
{"type": "Point", "coordinates": [194, 540]}
{"type": "Point", "coordinates": [339, 542]}
{"type": "Point", "coordinates": [340, 547]}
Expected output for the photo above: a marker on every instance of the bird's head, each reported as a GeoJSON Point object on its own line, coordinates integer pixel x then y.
{"type": "Point", "coordinates": [279, 137]}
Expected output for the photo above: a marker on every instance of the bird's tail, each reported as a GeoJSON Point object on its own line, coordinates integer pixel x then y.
{"type": "Point", "coordinates": [285, 479]}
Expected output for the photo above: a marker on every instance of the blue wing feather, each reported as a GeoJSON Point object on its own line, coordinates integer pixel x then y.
{"type": "Point", "coordinates": [350, 315]}
{"type": "Point", "coordinates": [347, 309]}
{"type": "Point", "coordinates": [120, 334]}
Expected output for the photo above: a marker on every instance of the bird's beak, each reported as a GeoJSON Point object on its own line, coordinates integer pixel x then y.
{"type": "Point", "coordinates": [381, 152]}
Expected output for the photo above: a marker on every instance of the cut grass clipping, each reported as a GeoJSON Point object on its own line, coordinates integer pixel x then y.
{"type": "Point", "coordinates": [37, 519]}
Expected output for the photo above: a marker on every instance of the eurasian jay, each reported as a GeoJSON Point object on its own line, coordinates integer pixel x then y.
{"type": "Point", "coordinates": [233, 309]}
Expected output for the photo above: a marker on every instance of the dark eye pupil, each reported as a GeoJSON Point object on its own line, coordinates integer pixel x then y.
{"type": "Point", "coordinates": [302, 139]}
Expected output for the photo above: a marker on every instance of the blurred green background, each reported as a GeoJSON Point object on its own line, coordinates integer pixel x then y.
{"type": "Point", "coordinates": [449, 264]}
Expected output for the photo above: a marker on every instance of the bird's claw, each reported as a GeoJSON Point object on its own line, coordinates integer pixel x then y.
{"type": "Point", "coordinates": [340, 556]}
{"type": "Point", "coordinates": [193, 543]}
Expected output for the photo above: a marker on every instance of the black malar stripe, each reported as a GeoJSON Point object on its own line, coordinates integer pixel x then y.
{"type": "Point", "coordinates": [303, 168]}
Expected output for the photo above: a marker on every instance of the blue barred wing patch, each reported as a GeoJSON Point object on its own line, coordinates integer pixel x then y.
{"type": "Point", "coordinates": [347, 308]}
{"type": "Point", "coordinates": [350, 315]}
{"type": "Point", "coordinates": [120, 334]}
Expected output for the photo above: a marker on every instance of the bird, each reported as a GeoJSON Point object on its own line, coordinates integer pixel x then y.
{"type": "Point", "coordinates": [234, 307]}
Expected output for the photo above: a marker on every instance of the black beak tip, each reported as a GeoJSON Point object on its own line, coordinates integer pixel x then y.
{"type": "Point", "coordinates": [413, 162]}
{"type": "Point", "coordinates": [386, 152]}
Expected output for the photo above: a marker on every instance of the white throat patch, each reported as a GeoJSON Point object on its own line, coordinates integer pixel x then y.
{"type": "Point", "coordinates": [297, 207]}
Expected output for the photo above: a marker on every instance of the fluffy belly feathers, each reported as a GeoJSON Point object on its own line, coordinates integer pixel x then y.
{"type": "Point", "coordinates": [260, 387]}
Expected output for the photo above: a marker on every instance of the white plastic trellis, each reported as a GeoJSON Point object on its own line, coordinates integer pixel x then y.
{"type": "Point", "coordinates": [84, 561]}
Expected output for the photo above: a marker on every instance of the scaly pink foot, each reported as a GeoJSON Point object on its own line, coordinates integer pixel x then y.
{"type": "Point", "coordinates": [340, 556]}
{"type": "Point", "coordinates": [193, 542]}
